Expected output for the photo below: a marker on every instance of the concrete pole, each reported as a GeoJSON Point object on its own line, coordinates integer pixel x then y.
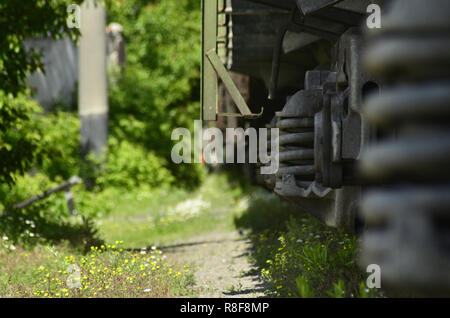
{"type": "Point", "coordinates": [92, 89]}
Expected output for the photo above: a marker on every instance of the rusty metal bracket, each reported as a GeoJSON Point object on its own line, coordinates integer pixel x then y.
{"type": "Point", "coordinates": [231, 88]}
{"type": "Point", "coordinates": [213, 68]}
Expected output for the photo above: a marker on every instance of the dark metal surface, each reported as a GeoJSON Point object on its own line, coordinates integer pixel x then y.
{"type": "Point", "coordinates": [254, 42]}
{"type": "Point", "coordinates": [322, 132]}
{"type": "Point", "coordinates": [310, 6]}
{"type": "Point", "coordinates": [341, 16]}
{"type": "Point", "coordinates": [258, 48]}
{"type": "Point", "coordinates": [278, 50]}
{"type": "Point", "coordinates": [389, 115]}
{"type": "Point", "coordinates": [280, 4]}
{"type": "Point", "coordinates": [408, 224]}
{"type": "Point", "coordinates": [296, 178]}
{"type": "Point", "coordinates": [341, 132]}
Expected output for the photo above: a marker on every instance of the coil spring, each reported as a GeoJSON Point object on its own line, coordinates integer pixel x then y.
{"type": "Point", "coordinates": [296, 149]}
{"type": "Point", "coordinates": [408, 226]}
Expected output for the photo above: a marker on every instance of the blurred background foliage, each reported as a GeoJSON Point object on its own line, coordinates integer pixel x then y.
{"type": "Point", "coordinates": [158, 92]}
{"type": "Point", "coordinates": [21, 20]}
{"type": "Point", "coordinates": [160, 88]}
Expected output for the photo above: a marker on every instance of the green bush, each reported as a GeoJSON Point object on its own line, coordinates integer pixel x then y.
{"type": "Point", "coordinates": [39, 150]}
{"type": "Point", "coordinates": [160, 88]}
{"type": "Point", "coordinates": [27, 186]}
{"type": "Point", "coordinates": [158, 92]}
{"type": "Point", "coordinates": [58, 152]}
{"type": "Point", "coordinates": [129, 166]}
{"type": "Point", "coordinates": [18, 142]}
{"type": "Point", "coordinates": [43, 221]}
{"type": "Point", "coordinates": [20, 21]}
{"type": "Point", "coordinates": [48, 141]}
{"type": "Point", "coordinates": [96, 203]}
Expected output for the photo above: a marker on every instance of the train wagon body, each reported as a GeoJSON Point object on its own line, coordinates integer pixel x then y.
{"type": "Point", "coordinates": [359, 92]}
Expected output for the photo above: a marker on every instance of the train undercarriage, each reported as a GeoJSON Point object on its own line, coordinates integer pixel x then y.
{"type": "Point", "coordinates": [363, 117]}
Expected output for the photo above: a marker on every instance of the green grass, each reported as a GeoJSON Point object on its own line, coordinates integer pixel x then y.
{"type": "Point", "coordinates": [297, 255]}
{"type": "Point", "coordinates": [124, 262]}
{"type": "Point", "coordinates": [161, 217]}
{"type": "Point", "coordinates": [107, 271]}
{"type": "Point", "coordinates": [294, 253]}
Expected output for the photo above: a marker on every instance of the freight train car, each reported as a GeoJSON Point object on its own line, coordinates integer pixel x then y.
{"type": "Point", "coordinates": [360, 93]}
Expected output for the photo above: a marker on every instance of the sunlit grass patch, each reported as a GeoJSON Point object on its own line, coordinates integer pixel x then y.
{"type": "Point", "coordinates": [299, 256]}
{"type": "Point", "coordinates": [160, 217]}
{"type": "Point", "coordinates": [106, 271]}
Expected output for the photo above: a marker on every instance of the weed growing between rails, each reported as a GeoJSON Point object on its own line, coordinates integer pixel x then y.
{"type": "Point", "coordinates": [106, 271]}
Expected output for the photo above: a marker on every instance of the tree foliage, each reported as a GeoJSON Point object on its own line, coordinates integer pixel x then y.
{"type": "Point", "coordinates": [158, 92]}
{"type": "Point", "coordinates": [21, 20]}
{"type": "Point", "coordinates": [161, 86]}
